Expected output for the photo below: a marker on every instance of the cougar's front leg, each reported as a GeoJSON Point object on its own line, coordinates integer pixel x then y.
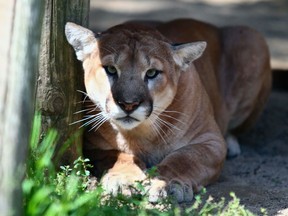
{"type": "Point", "coordinates": [188, 169]}
{"type": "Point", "coordinates": [126, 171]}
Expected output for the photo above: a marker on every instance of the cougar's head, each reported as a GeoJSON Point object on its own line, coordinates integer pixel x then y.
{"type": "Point", "coordinates": [131, 72]}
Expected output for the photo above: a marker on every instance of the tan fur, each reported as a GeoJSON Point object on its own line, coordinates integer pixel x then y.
{"type": "Point", "coordinates": [224, 90]}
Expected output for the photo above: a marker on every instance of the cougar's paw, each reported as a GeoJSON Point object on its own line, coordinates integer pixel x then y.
{"type": "Point", "coordinates": [233, 146]}
{"type": "Point", "coordinates": [181, 191]}
{"type": "Point", "coordinates": [160, 189]}
{"type": "Point", "coordinates": [156, 190]}
{"type": "Point", "coordinates": [116, 182]}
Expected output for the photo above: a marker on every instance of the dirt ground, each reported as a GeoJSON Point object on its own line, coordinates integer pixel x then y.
{"type": "Point", "coordinates": [259, 176]}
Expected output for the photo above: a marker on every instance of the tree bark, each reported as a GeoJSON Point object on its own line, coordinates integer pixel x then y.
{"type": "Point", "coordinates": [61, 75]}
{"type": "Point", "coordinates": [19, 51]}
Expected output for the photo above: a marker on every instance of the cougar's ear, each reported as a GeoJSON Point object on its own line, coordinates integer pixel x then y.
{"type": "Point", "coordinates": [184, 54]}
{"type": "Point", "coordinates": [82, 40]}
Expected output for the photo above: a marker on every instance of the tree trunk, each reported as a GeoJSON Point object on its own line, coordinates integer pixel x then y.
{"type": "Point", "coordinates": [61, 75]}
{"type": "Point", "coordinates": [19, 51]}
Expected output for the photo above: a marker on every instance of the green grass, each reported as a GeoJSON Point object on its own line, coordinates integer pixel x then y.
{"type": "Point", "coordinates": [48, 192]}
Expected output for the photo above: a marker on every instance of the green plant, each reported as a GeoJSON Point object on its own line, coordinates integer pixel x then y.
{"type": "Point", "coordinates": [48, 192]}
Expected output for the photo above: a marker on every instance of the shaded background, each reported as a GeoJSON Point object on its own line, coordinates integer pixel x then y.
{"type": "Point", "coordinates": [259, 176]}
{"type": "Point", "coordinates": [268, 17]}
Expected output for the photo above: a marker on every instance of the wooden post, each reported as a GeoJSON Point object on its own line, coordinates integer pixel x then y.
{"type": "Point", "coordinates": [19, 49]}
{"type": "Point", "coordinates": [60, 74]}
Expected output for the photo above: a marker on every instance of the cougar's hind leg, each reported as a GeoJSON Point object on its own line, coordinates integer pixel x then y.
{"type": "Point", "coordinates": [260, 102]}
{"type": "Point", "coordinates": [245, 76]}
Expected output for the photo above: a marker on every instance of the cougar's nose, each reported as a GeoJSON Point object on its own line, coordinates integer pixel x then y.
{"type": "Point", "coordinates": [128, 106]}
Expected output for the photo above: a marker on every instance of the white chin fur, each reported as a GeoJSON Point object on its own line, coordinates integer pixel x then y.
{"type": "Point", "coordinates": [126, 125]}
{"type": "Point", "coordinates": [137, 117]}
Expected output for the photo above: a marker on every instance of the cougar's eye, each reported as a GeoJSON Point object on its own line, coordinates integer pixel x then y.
{"type": "Point", "coordinates": [152, 73]}
{"type": "Point", "coordinates": [110, 70]}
